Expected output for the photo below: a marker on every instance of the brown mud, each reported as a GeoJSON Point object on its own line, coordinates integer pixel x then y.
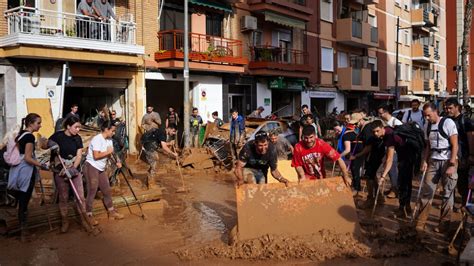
{"type": "Point", "coordinates": [193, 229]}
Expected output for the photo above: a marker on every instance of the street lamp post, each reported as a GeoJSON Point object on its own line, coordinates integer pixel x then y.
{"type": "Point", "coordinates": [186, 77]}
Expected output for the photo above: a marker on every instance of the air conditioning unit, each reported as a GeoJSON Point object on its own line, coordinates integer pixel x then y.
{"type": "Point", "coordinates": [335, 78]}
{"type": "Point", "coordinates": [248, 23]}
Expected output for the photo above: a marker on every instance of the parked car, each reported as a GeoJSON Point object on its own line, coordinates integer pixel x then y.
{"type": "Point", "coordinates": [281, 126]}
{"type": "Point", "coordinates": [399, 113]}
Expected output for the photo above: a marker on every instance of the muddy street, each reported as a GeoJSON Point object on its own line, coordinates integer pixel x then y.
{"type": "Point", "coordinates": [193, 228]}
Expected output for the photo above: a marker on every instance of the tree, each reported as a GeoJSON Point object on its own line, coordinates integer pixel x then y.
{"type": "Point", "coordinates": [465, 49]}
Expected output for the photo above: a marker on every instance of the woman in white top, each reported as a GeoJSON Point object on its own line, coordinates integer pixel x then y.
{"type": "Point", "coordinates": [100, 149]}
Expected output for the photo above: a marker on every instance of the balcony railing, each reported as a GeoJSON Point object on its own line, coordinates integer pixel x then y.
{"type": "Point", "coordinates": [357, 29]}
{"type": "Point", "coordinates": [204, 48]}
{"type": "Point", "coordinates": [278, 55]}
{"type": "Point", "coordinates": [38, 22]}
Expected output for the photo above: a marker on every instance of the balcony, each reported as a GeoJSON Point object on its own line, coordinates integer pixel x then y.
{"type": "Point", "coordinates": [423, 85]}
{"type": "Point", "coordinates": [206, 52]}
{"type": "Point", "coordinates": [423, 16]}
{"type": "Point", "coordinates": [436, 54]}
{"type": "Point", "coordinates": [357, 33]}
{"type": "Point", "coordinates": [276, 61]}
{"type": "Point", "coordinates": [292, 8]}
{"type": "Point", "coordinates": [422, 53]}
{"type": "Point", "coordinates": [358, 79]}
{"type": "Point", "coordinates": [46, 28]}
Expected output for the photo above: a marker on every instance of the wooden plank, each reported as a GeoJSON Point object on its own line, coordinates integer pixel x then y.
{"type": "Point", "coordinates": [299, 209]}
{"type": "Point", "coordinates": [42, 106]}
{"type": "Point", "coordinates": [285, 169]}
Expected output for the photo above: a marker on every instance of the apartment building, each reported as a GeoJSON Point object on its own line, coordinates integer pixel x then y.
{"type": "Point", "coordinates": [454, 37]}
{"type": "Point", "coordinates": [421, 48]}
{"type": "Point", "coordinates": [53, 57]}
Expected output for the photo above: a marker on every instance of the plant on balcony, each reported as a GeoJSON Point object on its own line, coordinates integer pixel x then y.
{"type": "Point", "coordinates": [71, 32]}
{"type": "Point", "coordinates": [162, 51]}
{"type": "Point", "coordinates": [265, 54]}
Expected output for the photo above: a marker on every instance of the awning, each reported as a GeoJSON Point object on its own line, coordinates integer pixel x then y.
{"type": "Point", "coordinates": [384, 96]}
{"type": "Point", "coordinates": [80, 82]}
{"type": "Point", "coordinates": [213, 4]}
{"type": "Point", "coordinates": [285, 21]}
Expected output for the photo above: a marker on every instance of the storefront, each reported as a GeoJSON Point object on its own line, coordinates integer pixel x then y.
{"type": "Point", "coordinates": [286, 95]}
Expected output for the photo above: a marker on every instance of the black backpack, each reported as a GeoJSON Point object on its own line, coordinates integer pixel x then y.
{"type": "Point", "coordinates": [414, 138]}
{"type": "Point", "coordinates": [440, 131]}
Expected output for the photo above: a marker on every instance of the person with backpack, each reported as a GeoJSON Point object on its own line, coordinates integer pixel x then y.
{"type": "Point", "coordinates": [407, 141]}
{"type": "Point", "coordinates": [373, 153]}
{"type": "Point", "coordinates": [23, 172]}
{"type": "Point", "coordinates": [391, 121]}
{"type": "Point", "coordinates": [71, 146]}
{"type": "Point", "coordinates": [414, 114]}
{"type": "Point", "coordinates": [463, 125]}
{"type": "Point", "coordinates": [353, 145]}
{"type": "Point", "coordinates": [440, 164]}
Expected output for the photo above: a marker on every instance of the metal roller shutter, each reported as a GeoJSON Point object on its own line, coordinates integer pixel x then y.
{"type": "Point", "coordinates": [98, 83]}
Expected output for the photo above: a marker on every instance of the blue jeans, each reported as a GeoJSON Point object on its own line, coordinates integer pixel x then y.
{"type": "Point", "coordinates": [254, 176]}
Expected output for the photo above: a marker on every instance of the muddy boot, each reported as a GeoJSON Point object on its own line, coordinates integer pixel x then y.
{"type": "Point", "coordinates": [114, 214]}
{"type": "Point", "coordinates": [442, 227]}
{"type": "Point", "coordinates": [25, 235]}
{"type": "Point", "coordinates": [400, 213]}
{"type": "Point", "coordinates": [92, 221]}
{"type": "Point", "coordinates": [370, 201]}
{"type": "Point", "coordinates": [64, 224]}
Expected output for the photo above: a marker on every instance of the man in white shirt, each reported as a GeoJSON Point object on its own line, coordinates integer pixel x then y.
{"type": "Point", "coordinates": [440, 164]}
{"type": "Point", "coordinates": [415, 114]}
{"type": "Point", "coordinates": [391, 121]}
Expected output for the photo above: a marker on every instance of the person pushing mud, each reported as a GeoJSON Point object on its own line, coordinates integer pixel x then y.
{"type": "Point", "coordinates": [254, 160]}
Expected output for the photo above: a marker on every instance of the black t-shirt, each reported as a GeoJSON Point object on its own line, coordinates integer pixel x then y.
{"type": "Point", "coordinates": [152, 139]}
{"type": "Point", "coordinates": [463, 125]}
{"type": "Point", "coordinates": [68, 145]}
{"type": "Point", "coordinates": [252, 159]}
{"type": "Point", "coordinates": [366, 133]}
{"type": "Point", "coordinates": [27, 138]}
{"type": "Point", "coordinates": [352, 137]}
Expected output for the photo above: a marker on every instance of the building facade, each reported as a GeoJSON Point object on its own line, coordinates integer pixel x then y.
{"type": "Point", "coordinates": [454, 38]}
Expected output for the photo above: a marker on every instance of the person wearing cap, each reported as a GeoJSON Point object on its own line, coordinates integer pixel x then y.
{"type": "Point", "coordinates": [257, 113]}
{"type": "Point", "coordinates": [353, 145]}
{"type": "Point", "coordinates": [255, 158]}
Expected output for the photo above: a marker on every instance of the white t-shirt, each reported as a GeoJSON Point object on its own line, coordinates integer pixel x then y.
{"type": "Point", "coordinates": [416, 117]}
{"type": "Point", "coordinates": [98, 143]}
{"type": "Point", "coordinates": [438, 142]}
{"type": "Point", "coordinates": [392, 122]}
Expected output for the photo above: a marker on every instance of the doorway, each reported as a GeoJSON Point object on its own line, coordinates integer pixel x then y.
{"type": "Point", "coordinates": [237, 101]}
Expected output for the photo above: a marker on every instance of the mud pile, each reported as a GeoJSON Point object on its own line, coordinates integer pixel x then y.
{"type": "Point", "coordinates": [322, 246]}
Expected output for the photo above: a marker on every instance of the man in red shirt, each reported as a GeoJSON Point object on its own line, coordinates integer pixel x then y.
{"type": "Point", "coordinates": [309, 154]}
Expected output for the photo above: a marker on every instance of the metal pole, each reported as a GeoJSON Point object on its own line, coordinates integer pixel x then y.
{"type": "Point", "coordinates": [186, 76]}
{"type": "Point", "coordinates": [396, 63]}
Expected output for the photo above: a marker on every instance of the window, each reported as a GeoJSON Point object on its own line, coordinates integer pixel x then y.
{"type": "Point", "coordinates": [400, 71]}
{"type": "Point", "coordinates": [407, 37]}
{"type": "Point", "coordinates": [342, 60]}
{"type": "Point", "coordinates": [256, 38]}
{"type": "Point", "coordinates": [214, 24]}
{"type": "Point", "coordinates": [327, 59]}
{"type": "Point", "coordinates": [372, 20]}
{"type": "Point", "coordinates": [408, 72]}
{"type": "Point", "coordinates": [326, 10]}
{"type": "Point", "coordinates": [171, 19]}
{"type": "Point", "coordinates": [373, 63]}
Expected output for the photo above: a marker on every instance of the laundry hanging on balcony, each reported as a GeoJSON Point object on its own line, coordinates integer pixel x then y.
{"type": "Point", "coordinates": [284, 20]}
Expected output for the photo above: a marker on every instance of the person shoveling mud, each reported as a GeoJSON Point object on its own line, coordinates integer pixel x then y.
{"type": "Point", "coordinates": [154, 142]}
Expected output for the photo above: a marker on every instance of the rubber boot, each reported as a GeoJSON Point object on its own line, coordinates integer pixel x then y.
{"type": "Point", "coordinates": [92, 221]}
{"type": "Point", "coordinates": [25, 235]}
{"type": "Point", "coordinates": [370, 201]}
{"type": "Point", "coordinates": [114, 214]}
{"type": "Point", "coordinates": [64, 224]}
